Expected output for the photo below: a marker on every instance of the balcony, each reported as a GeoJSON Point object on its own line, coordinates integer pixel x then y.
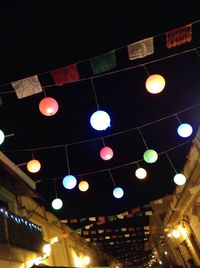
{"type": "Point", "coordinates": [20, 239]}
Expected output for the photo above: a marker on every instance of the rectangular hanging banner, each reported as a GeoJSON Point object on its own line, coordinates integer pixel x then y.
{"type": "Point", "coordinates": [65, 75]}
{"type": "Point", "coordinates": [141, 49]}
{"type": "Point", "coordinates": [179, 36]}
{"type": "Point", "coordinates": [103, 62]}
{"type": "Point", "coordinates": [27, 87]}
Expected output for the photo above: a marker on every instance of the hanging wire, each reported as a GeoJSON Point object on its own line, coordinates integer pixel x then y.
{"type": "Point", "coordinates": [112, 177]}
{"type": "Point", "coordinates": [55, 188]}
{"type": "Point", "coordinates": [66, 151]}
{"type": "Point", "coordinates": [103, 141]}
{"type": "Point", "coordinates": [178, 118]}
{"type": "Point", "coordinates": [120, 166]}
{"type": "Point", "coordinates": [106, 136]}
{"type": "Point", "coordinates": [170, 162]}
{"type": "Point", "coordinates": [143, 138]}
{"type": "Point", "coordinates": [95, 95]}
{"type": "Point", "coordinates": [146, 70]}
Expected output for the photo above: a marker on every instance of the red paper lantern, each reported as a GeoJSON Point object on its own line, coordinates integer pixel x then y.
{"type": "Point", "coordinates": [106, 153]}
{"type": "Point", "coordinates": [48, 106]}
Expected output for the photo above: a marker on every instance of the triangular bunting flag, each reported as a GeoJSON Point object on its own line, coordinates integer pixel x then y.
{"type": "Point", "coordinates": [112, 218]}
{"type": "Point", "coordinates": [103, 62]}
{"type": "Point", "coordinates": [27, 87]}
{"type": "Point", "coordinates": [65, 75]}
{"type": "Point", "coordinates": [179, 36]}
{"type": "Point", "coordinates": [141, 49]}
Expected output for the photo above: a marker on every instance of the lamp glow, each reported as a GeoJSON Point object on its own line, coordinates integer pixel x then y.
{"type": "Point", "coordinates": [106, 153]}
{"type": "Point", "coordinates": [155, 83]}
{"type": "Point", "coordinates": [118, 192]}
{"type": "Point", "coordinates": [2, 137]}
{"type": "Point", "coordinates": [33, 166]}
{"type": "Point", "coordinates": [57, 203]}
{"type": "Point", "coordinates": [48, 106]}
{"type": "Point", "coordinates": [179, 179]}
{"type": "Point", "coordinates": [100, 120]}
{"type": "Point", "coordinates": [140, 173]}
{"type": "Point", "coordinates": [83, 186]}
{"type": "Point", "coordinates": [69, 182]}
{"type": "Point", "coordinates": [176, 233]}
{"type": "Point", "coordinates": [150, 156]}
{"type": "Point", "coordinates": [184, 130]}
{"type": "Point", "coordinates": [46, 249]}
{"type": "Point", "coordinates": [86, 260]}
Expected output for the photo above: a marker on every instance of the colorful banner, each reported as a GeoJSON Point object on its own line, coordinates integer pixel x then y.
{"type": "Point", "coordinates": [179, 36]}
{"type": "Point", "coordinates": [27, 87]}
{"type": "Point", "coordinates": [141, 49]}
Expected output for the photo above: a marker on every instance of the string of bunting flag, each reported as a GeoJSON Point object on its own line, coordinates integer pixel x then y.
{"type": "Point", "coordinates": [99, 64]}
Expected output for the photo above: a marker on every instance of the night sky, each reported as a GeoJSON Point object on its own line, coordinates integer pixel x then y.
{"type": "Point", "coordinates": [37, 38]}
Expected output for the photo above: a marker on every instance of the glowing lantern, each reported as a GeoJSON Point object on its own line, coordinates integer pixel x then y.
{"type": "Point", "coordinates": [106, 153]}
{"type": "Point", "coordinates": [33, 166]}
{"type": "Point", "coordinates": [48, 106]}
{"type": "Point", "coordinates": [57, 203]}
{"type": "Point", "coordinates": [140, 173]}
{"type": "Point", "coordinates": [86, 260]}
{"type": "Point", "coordinates": [100, 120]}
{"type": "Point", "coordinates": [69, 182]}
{"type": "Point", "coordinates": [150, 156]}
{"type": "Point", "coordinates": [155, 83]}
{"type": "Point", "coordinates": [184, 130]}
{"type": "Point", "coordinates": [176, 233]}
{"type": "Point", "coordinates": [179, 179]}
{"type": "Point", "coordinates": [118, 192]}
{"type": "Point", "coordinates": [83, 186]}
{"type": "Point", "coordinates": [46, 249]}
{"type": "Point", "coordinates": [2, 137]}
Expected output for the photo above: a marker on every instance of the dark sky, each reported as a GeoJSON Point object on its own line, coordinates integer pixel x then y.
{"type": "Point", "coordinates": [39, 37]}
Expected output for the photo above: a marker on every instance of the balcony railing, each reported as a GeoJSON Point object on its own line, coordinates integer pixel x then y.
{"type": "Point", "coordinates": [19, 232]}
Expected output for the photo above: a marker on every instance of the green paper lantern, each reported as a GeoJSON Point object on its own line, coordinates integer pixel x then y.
{"type": "Point", "coordinates": [150, 156]}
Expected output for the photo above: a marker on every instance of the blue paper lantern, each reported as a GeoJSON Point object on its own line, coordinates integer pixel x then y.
{"type": "Point", "coordinates": [69, 182]}
{"type": "Point", "coordinates": [2, 137]}
{"type": "Point", "coordinates": [118, 192]}
{"type": "Point", "coordinates": [184, 130]}
{"type": "Point", "coordinates": [100, 120]}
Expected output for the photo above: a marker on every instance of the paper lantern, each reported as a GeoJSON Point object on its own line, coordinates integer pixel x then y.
{"type": "Point", "coordinates": [140, 173]}
{"type": "Point", "coordinates": [86, 260]}
{"type": "Point", "coordinates": [33, 166]}
{"type": "Point", "coordinates": [69, 182]}
{"type": "Point", "coordinates": [106, 153]}
{"type": "Point", "coordinates": [48, 106]}
{"type": "Point", "coordinates": [184, 130]}
{"type": "Point", "coordinates": [57, 203]}
{"type": "Point", "coordinates": [2, 137]}
{"type": "Point", "coordinates": [150, 156]}
{"type": "Point", "coordinates": [83, 186]}
{"type": "Point", "coordinates": [155, 83]}
{"type": "Point", "coordinates": [100, 120]}
{"type": "Point", "coordinates": [118, 192]}
{"type": "Point", "coordinates": [179, 179]}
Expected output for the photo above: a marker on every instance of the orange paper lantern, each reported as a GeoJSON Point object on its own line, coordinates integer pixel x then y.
{"type": "Point", "coordinates": [155, 83]}
{"type": "Point", "coordinates": [48, 106]}
{"type": "Point", "coordinates": [33, 166]}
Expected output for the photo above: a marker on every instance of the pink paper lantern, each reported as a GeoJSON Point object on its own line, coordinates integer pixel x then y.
{"type": "Point", "coordinates": [106, 153]}
{"type": "Point", "coordinates": [48, 106]}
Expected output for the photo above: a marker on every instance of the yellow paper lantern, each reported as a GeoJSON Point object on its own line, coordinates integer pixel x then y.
{"type": "Point", "coordinates": [83, 186]}
{"type": "Point", "coordinates": [155, 83]}
{"type": "Point", "coordinates": [33, 166]}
